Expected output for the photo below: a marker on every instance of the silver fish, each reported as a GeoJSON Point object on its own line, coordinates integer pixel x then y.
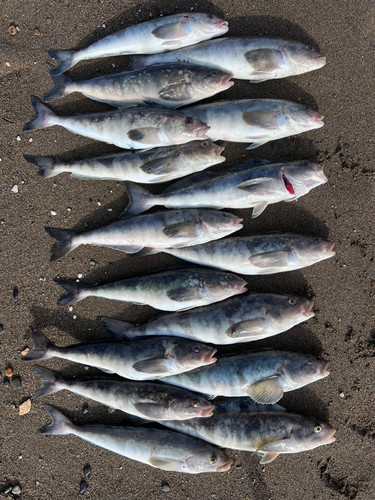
{"type": "Point", "coordinates": [140, 360]}
{"type": "Point", "coordinates": [263, 375]}
{"type": "Point", "coordinates": [150, 37]}
{"type": "Point", "coordinates": [266, 430]}
{"type": "Point", "coordinates": [239, 319]}
{"type": "Point", "coordinates": [147, 167]}
{"type": "Point", "coordinates": [147, 400]}
{"type": "Point", "coordinates": [172, 229]}
{"type": "Point", "coordinates": [166, 450]}
{"type": "Point", "coordinates": [254, 183]}
{"type": "Point", "coordinates": [260, 254]}
{"type": "Point", "coordinates": [255, 120]}
{"type": "Point", "coordinates": [256, 59]}
{"type": "Point", "coordinates": [177, 290]}
{"type": "Point", "coordinates": [169, 85]}
{"type": "Point", "coordinates": [137, 128]}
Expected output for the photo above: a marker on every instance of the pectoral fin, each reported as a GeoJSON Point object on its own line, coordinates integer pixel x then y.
{"type": "Point", "coordinates": [256, 144]}
{"type": "Point", "coordinates": [266, 391]}
{"type": "Point", "coordinates": [161, 166]}
{"type": "Point", "coordinates": [151, 410]}
{"type": "Point", "coordinates": [252, 328]}
{"type": "Point", "coordinates": [182, 294]}
{"type": "Point", "coordinates": [145, 135]}
{"type": "Point", "coordinates": [170, 31]}
{"type": "Point", "coordinates": [261, 119]}
{"type": "Point", "coordinates": [166, 464]}
{"type": "Point", "coordinates": [269, 259]}
{"type": "Point", "coordinates": [251, 184]}
{"type": "Point", "coordinates": [155, 366]}
{"type": "Point", "coordinates": [263, 60]}
{"type": "Point", "coordinates": [258, 209]}
{"type": "Point", "coordinates": [180, 230]}
{"type": "Point", "coordinates": [175, 93]}
{"type": "Point", "coordinates": [268, 457]}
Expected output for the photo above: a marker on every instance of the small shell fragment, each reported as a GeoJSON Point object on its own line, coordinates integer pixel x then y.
{"type": "Point", "coordinates": [8, 372]}
{"type": "Point", "coordinates": [25, 407]}
{"type": "Point", "coordinates": [12, 29]}
{"type": "Point", "coordinates": [37, 32]}
{"type": "Point", "coordinates": [25, 351]}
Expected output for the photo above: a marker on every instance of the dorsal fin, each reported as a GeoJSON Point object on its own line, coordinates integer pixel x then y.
{"type": "Point", "coordinates": [192, 179]}
{"type": "Point", "coordinates": [242, 404]}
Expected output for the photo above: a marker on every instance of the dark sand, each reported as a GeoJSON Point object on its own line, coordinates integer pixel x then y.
{"type": "Point", "coordinates": [343, 331]}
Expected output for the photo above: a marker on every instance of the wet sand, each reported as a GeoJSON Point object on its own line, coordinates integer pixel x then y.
{"type": "Point", "coordinates": [342, 288]}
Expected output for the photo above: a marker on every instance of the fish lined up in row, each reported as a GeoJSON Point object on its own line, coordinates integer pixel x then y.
{"type": "Point", "coordinates": [158, 35]}
{"type": "Point", "coordinates": [171, 229]}
{"type": "Point", "coordinates": [246, 318]}
{"type": "Point", "coordinates": [177, 290]}
{"type": "Point", "coordinates": [254, 183]}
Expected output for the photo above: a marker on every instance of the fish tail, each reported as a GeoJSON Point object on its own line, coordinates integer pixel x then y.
{"type": "Point", "coordinates": [119, 329]}
{"type": "Point", "coordinates": [65, 57]}
{"type": "Point", "coordinates": [42, 347]}
{"type": "Point", "coordinates": [60, 88]}
{"type": "Point", "coordinates": [140, 200]}
{"type": "Point", "coordinates": [137, 62]}
{"type": "Point", "coordinates": [47, 166]}
{"type": "Point", "coordinates": [50, 382]}
{"type": "Point", "coordinates": [60, 423]}
{"type": "Point", "coordinates": [64, 242]}
{"type": "Point", "coordinates": [44, 116]}
{"type": "Point", "coordinates": [73, 291]}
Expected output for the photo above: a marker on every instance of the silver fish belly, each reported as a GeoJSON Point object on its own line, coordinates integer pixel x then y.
{"type": "Point", "coordinates": [240, 319]}
{"type": "Point", "coordinates": [261, 254]}
{"type": "Point", "coordinates": [256, 59]}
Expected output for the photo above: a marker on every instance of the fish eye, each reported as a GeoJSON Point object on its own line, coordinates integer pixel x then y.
{"type": "Point", "coordinates": [210, 16]}
{"type": "Point", "coordinates": [228, 277]}
{"type": "Point", "coordinates": [292, 301]}
{"type": "Point", "coordinates": [318, 428]}
{"type": "Point", "coordinates": [213, 459]}
{"type": "Point", "coordinates": [205, 144]}
{"type": "Point", "coordinates": [196, 348]}
{"type": "Point", "coordinates": [189, 121]}
{"type": "Point", "coordinates": [305, 163]}
{"type": "Point", "coordinates": [316, 240]}
{"type": "Point", "coordinates": [214, 73]}
{"type": "Point", "coordinates": [195, 403]}
{"type": "Point", "coordinates": [310, 360]}
{"type": "Point", "coordinates": [310, 49]}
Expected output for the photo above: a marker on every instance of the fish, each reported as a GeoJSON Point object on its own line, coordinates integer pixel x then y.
{"type": "Point", "coordinates": [148, 400]}
{"type": "Point", "coordinates": [147, 167]}
{"type": "Point", "coordinates": [138, 128]}
{"type": "Point", "coordinates": [246, 318]}
{"type": "Point", "coordinates": [256, 59]}
{"type": "Point", "coordinates": [140, 360]}
{"type": "Point", "coordinates": [251, 184]}
{"type": "Point", "coordinates": [162, 449]}
{"type": "Point", "coordinates": [170, 85]}
{"type": "Point", "coordinates": [255, 120]}
{"type": "Point", "coordinates": [252, 255]}
{"type": "Point", "coordinates": [175, 290]}
{"type": "Point", "coordinates": [171, 228]}
{"type": "Point", "coordinates": [267, 430]}
{"type": "Point", "coordinates": [264, 375]}
{"type": "Point", "coordinates": [158, 35]}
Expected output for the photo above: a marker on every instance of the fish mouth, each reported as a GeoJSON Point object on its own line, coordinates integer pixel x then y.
{"type": "Point", "coordinates": [322, 371]}
{"type": "Point", "coordinates": [307, 311]}
{"type": "Point", "coordinates": [225, 467]}
{"type": "Point", "coordinates": [320, 61]}
{"type": "Point", "coordinates": [200, 132]}
{"type": "Point", "coordinates": [209, 359]}
{"type": "Point", "coordinates": [237, 223]}
{"type": "Point", "coordinates": [208, 412]}
{"type": "Point", "coordinates": [330, 438]}
{"type": "Point", "coordinates": [319, 173]}
{"type": "Point", "coordinates": [221, 25]}
{"type": "Point", "coordinates": [226, 81]}
{"type": "Point", "coordinates": [329, 249]}
{"type": "Point", "coordinates": [319, 119]}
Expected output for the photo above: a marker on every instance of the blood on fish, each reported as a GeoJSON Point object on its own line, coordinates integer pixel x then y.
{"type": "Point", "coordinates": [288, 185]}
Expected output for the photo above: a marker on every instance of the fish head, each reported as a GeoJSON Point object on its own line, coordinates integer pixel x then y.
{"type": "Point", "coordinates": [301, 118]}
{"type": "Point", "coordinates": [224, 286]}
{"type": "Point", "coordinates": [207, 25]}
{"type": "Point", "coordinates": [285, 312]}
{"type": "Point", "coordinates": [215, 80]}
{"type": "Point", "coordinates": [189, 355]}
{"type": "Point", "coordinates": [207, 458]}
{"type": "Point", "coordinates": [300, 177]}
{"type": "Point", "coordinates": [198, 153]}
{"type": "Point", "coordinates": [302, 370]}
{"type": "Point", "coordinates": [184, 128]}
{"type": "Point", "coordinates": [309, 250]}
{"type": "Point", "coordinates": [191, 407]}
{"type": "Point", "coordinates": [219, 224]}
{"type": "Point", "coordinates": [302, 58]}
{"type": "Point", "coordinates": [307, 434]}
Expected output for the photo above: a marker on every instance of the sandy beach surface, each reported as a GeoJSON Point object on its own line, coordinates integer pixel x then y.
{"type": "Point", "coordinates": [343, 331]}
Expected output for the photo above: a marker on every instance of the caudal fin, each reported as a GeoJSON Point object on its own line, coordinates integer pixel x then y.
{"type": "Point", "coordinates": [47, 166]}
{"type": "Point", "coordinates": [73, 291]}
{"type": "Point", "coordinates": [44, 116]}
{"type": "Point", "coordinates": [64, 242]}
{"type": "Point", "coordinates": [120, 329]}
{"type": "Point", "coordinates": [65, 57]}
{"type": "Point", "coordinates": [49, 382]}
{"type": "Point", "coordinates": [42, 347]}
{"type": "Point", "coordinates": [140, 200]}
{"type": "Point", "coordinates": [60, 84]}
{"type": "Point", "coordinates": [60, 426]}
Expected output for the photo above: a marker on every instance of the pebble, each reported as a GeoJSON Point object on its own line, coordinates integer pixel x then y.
{"type": "Point", "coordinates": [74, 316]}
{"type": "Point", "coordinates": [16, 382]}
{"type": "Point", "coordinates": [79, 275]}
{"type": "Point", "coordinates": [86, 471]}
{"type": "Point", "coordinates": [31, 139]}
{"type": "Point", "coordinates": [8, 372]}
{"type": "Point", "coordinates": [18, 138]}
{"type": "Point", "coordinates": [70, 308]}
{"type": "Point", "coordinates": [15, 292]}
{"type": "Point", "coordinates": [166, 487]}
{"type": "Point", "coordinates": [7, 490]}
{"type": "Point", "coordinates": [111, 410]}
{"type": "Point", "coordinates": [15, 189]}
{"type": "Point", "coordinates": [25, 407]}
{"type": "Point", "coordinates": [52, 212]}
{"type": "Point", "coordinates": [1, 328]}
{"type": "Point", "coordinates": [82, 487]}
{"type": "Point", "coordinates": [48, 20]}
{"type": "Point", "coordinates": [342, 395]}
{"type": "Point", "coordinates": [37, 483]}
{"type": "Point", "coordinates": [85, 409]}
{"type": "Point", "coordinates": [16, 490]}
{"type": "Point", "coordinates": [92, 262]}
